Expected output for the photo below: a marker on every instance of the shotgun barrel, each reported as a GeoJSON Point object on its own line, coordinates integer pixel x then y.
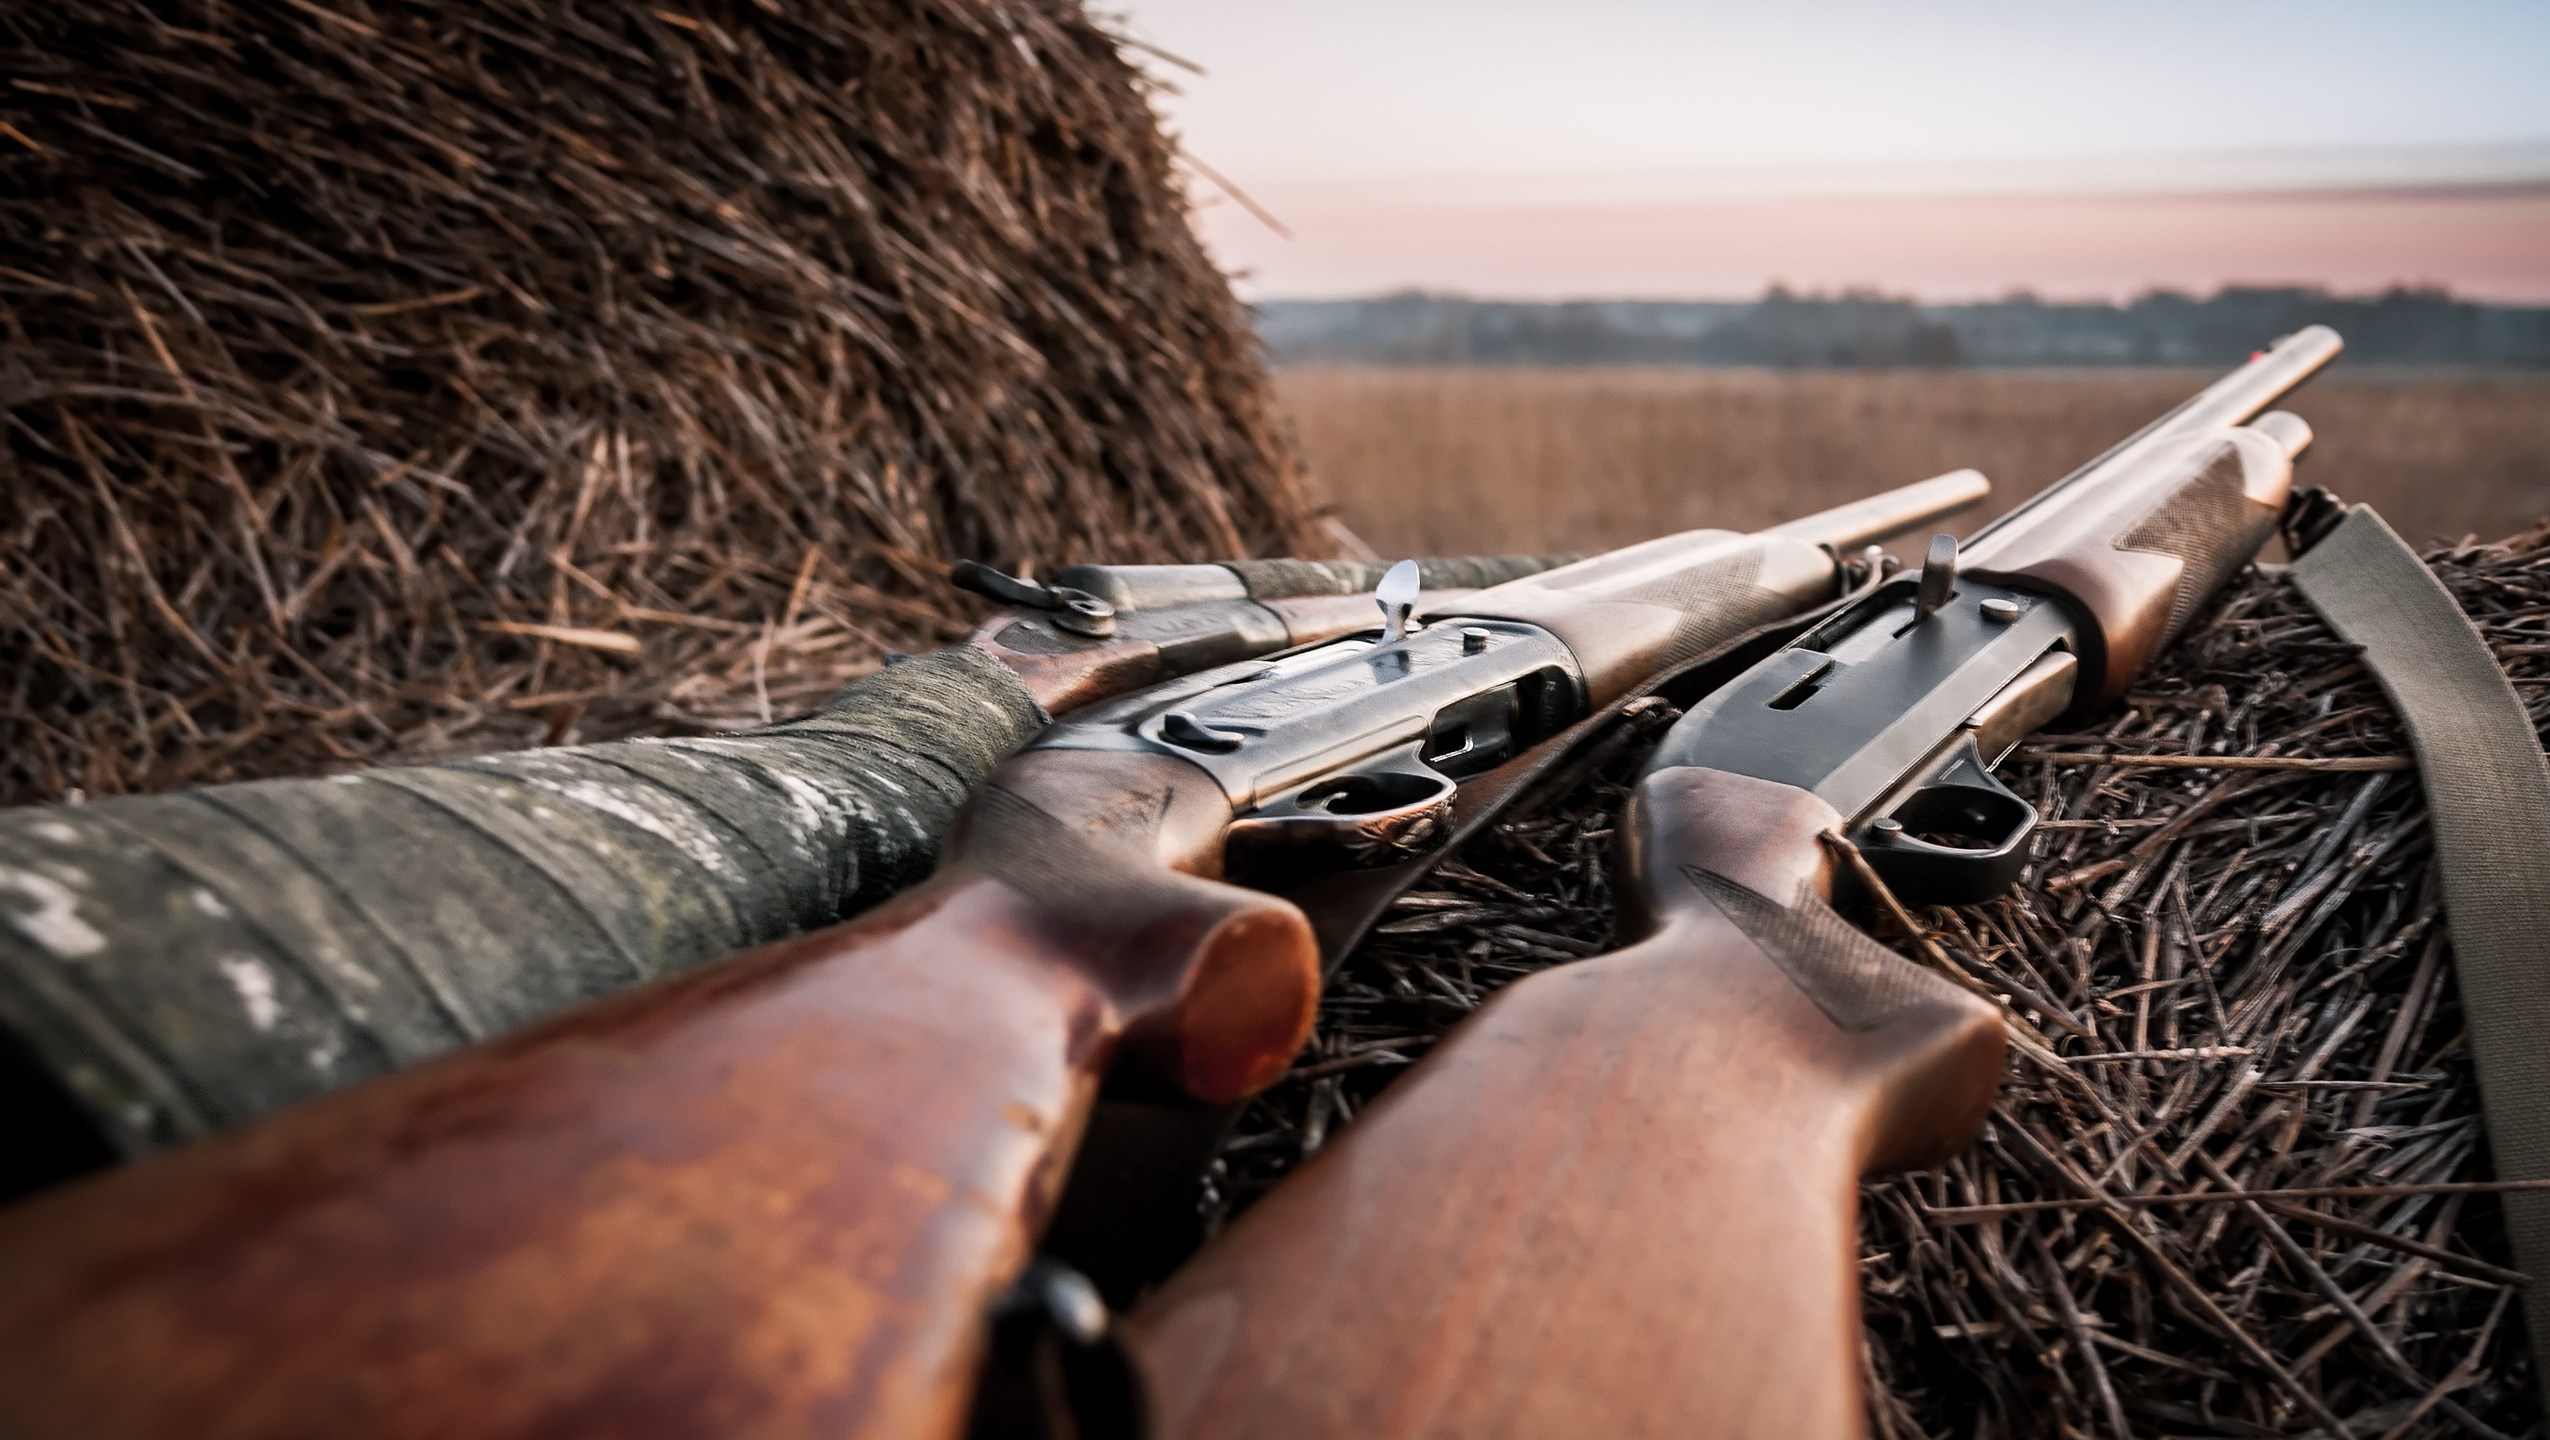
{"type": "Point", "coordinates": [2234, 399]}
{"type": "Point", "coordinates": [774, 1196]}
{"type": "Point", "coordinates": [1847, 527]}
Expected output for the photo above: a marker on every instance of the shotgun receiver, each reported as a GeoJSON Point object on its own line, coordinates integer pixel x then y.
{"type": "Point", "coordinates": [773, 1197]}
{"type": "Point", "coordinates": [1095, 631]}
{"type": "Point", "coordinates": [1620, 1199]}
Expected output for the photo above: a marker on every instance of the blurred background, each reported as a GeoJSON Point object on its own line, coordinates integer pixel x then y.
{"type": "Point", "coordinates": [1557, 277]}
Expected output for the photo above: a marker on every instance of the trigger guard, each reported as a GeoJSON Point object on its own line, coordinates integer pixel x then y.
{"type": "Point", "coordinates": [1383, 811]}
{"type": "Point", "coordinates": [1963, 798]}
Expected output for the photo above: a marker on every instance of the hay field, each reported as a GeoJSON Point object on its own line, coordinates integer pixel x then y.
{"type": "Point", "coordinates": [1453, 461]}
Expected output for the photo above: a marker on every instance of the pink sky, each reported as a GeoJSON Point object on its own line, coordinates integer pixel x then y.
{"type": "Point", "coordinates": [1951, 149]}
{"type": "Point", "coordinates": [2487, 241]}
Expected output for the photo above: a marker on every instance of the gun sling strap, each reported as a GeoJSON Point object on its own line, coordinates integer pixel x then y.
{"type": "Point", "coordinates": [2488, 798]}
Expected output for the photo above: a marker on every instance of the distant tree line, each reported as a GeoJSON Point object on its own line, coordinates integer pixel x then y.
{"type": "Point", "coordinates": [1859, 329]}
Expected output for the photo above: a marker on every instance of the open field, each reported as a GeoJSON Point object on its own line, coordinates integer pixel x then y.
{"type": "Point", "coordinates": [1452, 461]}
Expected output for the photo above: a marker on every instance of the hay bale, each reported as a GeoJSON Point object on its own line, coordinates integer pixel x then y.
{"type": "Point", "coordinates": [402, 377]}
{"type": "Point", "coordinates": [2280, 963]}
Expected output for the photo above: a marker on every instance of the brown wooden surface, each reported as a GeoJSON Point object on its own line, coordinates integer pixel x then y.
{"type": "Point", "coordinates": [766, 1199]}
{"type": "Point", "coordinates": [1619, 1201]}
{"type": "Point", "coordinates": [2138, 557]}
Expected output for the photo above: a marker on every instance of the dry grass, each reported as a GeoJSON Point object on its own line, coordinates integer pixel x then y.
{"type": "Point", "coordinates": [391, 378]}
{"type": "Point", "coordinates": [1427, 462]}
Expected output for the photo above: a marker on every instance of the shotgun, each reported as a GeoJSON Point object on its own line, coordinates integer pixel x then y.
{"type": "Point", "coordinates": [775, 1196]}
{"type": "Point", "coordinates": [1620, 1198]}
{"type": "Point", "coordinates": [171, 965]}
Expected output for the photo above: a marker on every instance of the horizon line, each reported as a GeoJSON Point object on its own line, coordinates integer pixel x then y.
{"type": "Point", "coordinates": [2425, 169]}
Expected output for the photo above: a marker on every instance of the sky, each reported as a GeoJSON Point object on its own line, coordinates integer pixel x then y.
{"type": "Point", "coordinates": [1952, 149]}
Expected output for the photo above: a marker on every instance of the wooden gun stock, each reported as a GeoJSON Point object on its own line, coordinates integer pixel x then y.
{"type": "Point", "coordinates": [1621, 1199]}
{"type": "Point", "coordinates": [765, 1199]}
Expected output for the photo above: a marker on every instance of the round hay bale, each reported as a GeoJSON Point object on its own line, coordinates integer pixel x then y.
{"type": "Point", "coordinates": [404, 377]}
